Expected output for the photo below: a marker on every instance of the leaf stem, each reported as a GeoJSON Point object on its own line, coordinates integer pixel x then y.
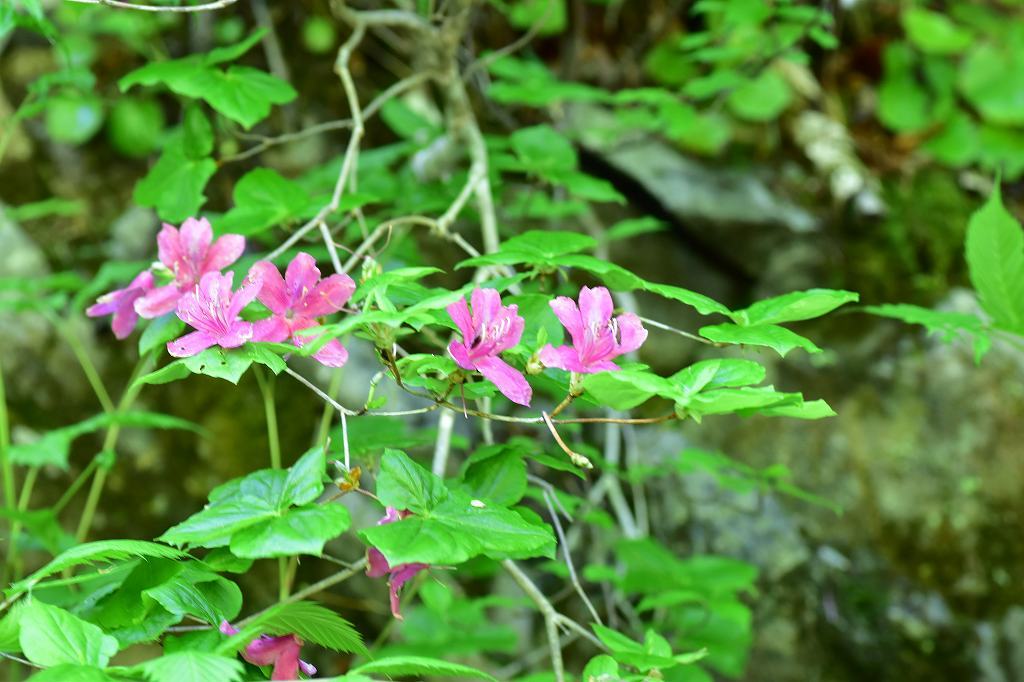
{"type": "Point", "coordinates": [6, 469]}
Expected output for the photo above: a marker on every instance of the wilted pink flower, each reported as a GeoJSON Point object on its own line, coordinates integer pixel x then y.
{"type": "Point", "coordinates": [189, 254]}
{"type": "Point", "coordinates": [378, 566]}
{"type": "Point", "coordinates": [297, 300]}
{"type": "Point", "coordinates": [596, 336]}
{"type": "Point", "coordinates": [281, 652]}
{"type": "Point", "coordinates": [489, 330]}
{"type": "Point", "coordinates": [212, 309]}
{"type": "Point", "coordinates": [121, 303]}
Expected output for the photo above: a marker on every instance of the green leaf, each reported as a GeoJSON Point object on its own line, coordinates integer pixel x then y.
{"type": "Point", "coordinates": [602, 667]}
{"type": "Point", "coordinates": [73, 118]}
{"type": "Point", "coordinates": [644, 657]}
{"type": "Point", "coordinates": [263, 199]}
{"type": "Point", "coordinates": [903, 103]}
{"type": "Point", "coordinates": [222, 364]}
{"type": "Point", "coordinates": [991, 78]}
{"type": "Point", "coordinates": [192, 666]}
{"type": "Point", "coordinates": [102, 551]}
{"type": "Point", "coordinates": [404, 484]}
{"type": "Point", "coordinates": [52, 636]}
{"type": "Point", "coordinates": [303, 530]}
{"type": "Point", "coordinates": [813, 409]}
{"type": "Point", "coordinates": [633, 227]}
{"type": "Point", "coordinates": [135, 126]}
{"type": "Point", "coordinates": [949, 325]}
{"type": "Point", "coordinates": [305, 479]}
{"type": "Point", "coordinates": [173, 371]}
{"type": "Point", "coordinates": [199, 593]}
{"type": "Point", "coordinates": [402, 666]}
{"type": "Point", "coordinates": [497, 475]}
{"type": "Point", "coordinates": [310, 621]}
{"type": "Point", "coordinates": [762, 98]}
{"type": "Point", "coordinates": [10, 627]}
{"type": "Point", "coordinates": [241, 93]}
{"type": "Point", "coordinates": [934, 33]}
{"type": "Point", "coordinates": [174, 185]}
{"type": "Point", "coordinates": [995, 257]}
{"type": "Point", "coordinates": [701, 303]}
{"type": "Point", "coordinates": [729, 400]}
{"type": "Point", "coordinates": [625, 389]}
{"type": "Point", "coordinates": [543, 150]}
{"type": "Point", "coordinates": [718, 373]}
{"type": "Point", "coordinates": [793, 307]}
{"type": "Point", "coordinates": [197, 133]}
{"type": "Point", "coordinates": [161, 330]}
{"type": "Point", "coordinates": [779, 339]}
{"type": "Point", "coordinates": [69, 672]}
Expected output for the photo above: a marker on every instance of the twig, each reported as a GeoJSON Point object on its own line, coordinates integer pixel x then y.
{"type": "Point", "coordinates": [577, 459]}
{"type": "Point", "coordinates": [661, 325]}
{"type": "Point", "coordinates": [445, 423]}
{"type": "Point", "coordinates": [316, 389]}
{"type": "Point", "coordinates": [546, 610]}
{"type": "Point", "coordinates": [515, 45]}
{"type": "Point", "coordinates": [548, 495]}
{"type": "Point", "coordinates": [217, 4]}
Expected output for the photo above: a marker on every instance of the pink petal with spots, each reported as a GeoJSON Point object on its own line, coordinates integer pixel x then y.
{"type": "Point", "coordinates": [510, 381]}
{"type": "Point", "coordinates": [169, 246]}
{"type": "Point", "coordinates": [301, 276]}
{"type": "Point", "coordinates": [271, 329]}
{"type": "Point", "coordinates": [563, 357]}
{"type": "Point", "coordinates": [246, 293]}
{"type": "Point", "coordinates": [159, 301]}
{"type": "Point", "coordinates": [327, 297]}
{"type": "Point", "coordinates": [190, 344]}
{"type": "Point", "coordinates": [333, 354]}
{"type": "Point", "coordinates": [486, 306]}
{"type": "Point", "coordinates": [274, 293]}
{"type": "Point", "coordinates": [195, 236]}
{"type": "Point", "coordinates": [595, 306]}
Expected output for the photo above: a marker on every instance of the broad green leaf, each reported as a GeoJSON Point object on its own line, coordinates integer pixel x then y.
{"type": "Point", "coordinates": [305, 479]}
{"type": "Point", "coordinates": [173, 371]}
{"type": "Point", "coordinates": [174, 186]}
{"type": "Point", "coordinates": [402, 666]}
{"type": "Point", "coordinates": [995, 257]}
{"type": "Point", "coordinates": [51, 636]}
{"type": "Point", "coordinates": [214, 525]}
{"type": "Point", "coordinates": [199, 593]}
{"type": "Point", "coordinates": [625, 389]}
{"type": "Point", "coordinates": [303, 530]}
{"type": "Point", "coordinates": [543, 150]}
{"type": "Point", "coordinates": [633, 227]}
{"type": "Point", "coordinates": [69, 672]}
{"type": "Point", "coordinates": [718, 373]}
{"type": "Point", "coordinates": [701, 303]}
{"type": "Point", "coordinates": [934, 32]}
{"type": "Point", "coordinates": [73, 118]}
{"type": "Point", "coordinates": [10, 627]}
{"type": "Point", "coordinates": [135, 126]}
{"type": "Point", "coordinates": [949, 325]}
{"type": "Point", "coordinates": [644, 657]}
{"type": "Point", "coordinates": [192, 666]}
{"type": "Point", "coordinates": [197, 133]}
{"type": "Point", "coordinates": [222, 364]}
{"type": "Point", "coordinates": [404, 484]}
{"type": "Point", "coordinates": [779, 339]}
{"type": "Point", "coordinates": [992, 79]}
{"type": "Point", "coordinates": [159, 331]}
{"type": "Point", "coordinates": [601, 667]}
{"type": "Point", "coordinates": [497, 475]}
{"type": "Point", "coordinates": [793, 307]}
{"type": "Point", "coordinates": [813, 409]}
{"type": "Point", "coordinates": [904, 105]}
{"type": "Point", "coordinates": [728, 400]}
{"type": "Point", "coordinates": [762, 98]}
{"type": "Point", "coordinates": [263, 199]}
{"type": "Point", "coordinates": [241, 93]}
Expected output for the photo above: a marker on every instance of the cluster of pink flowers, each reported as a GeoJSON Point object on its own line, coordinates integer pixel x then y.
{"type": "Point", "coordinates": [597, 337]}
{"type": "Point", "coordinates": [202, 296]}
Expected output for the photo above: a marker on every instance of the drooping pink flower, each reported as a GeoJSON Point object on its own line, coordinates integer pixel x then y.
{"type": "Point", "coordinates": [489, 330]}
{"type": "Point", "coordinates": [212, 308]}
{"type": "Point", "coordinates": [297, 300]}
{"type": "Point", "coordinates": [121, 304]}
{"type": "Point", "coordinates": [378, 566]}
{"type": "Point", "coordinates": [597, 337]}
{"type": "Point", "coordinates": [281, 652]}
{"type": "Point", "coordinates": [189, 254]}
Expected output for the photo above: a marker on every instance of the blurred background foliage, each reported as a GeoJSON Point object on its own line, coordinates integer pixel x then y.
{"type": "Point", "coordinates": [740, 148]}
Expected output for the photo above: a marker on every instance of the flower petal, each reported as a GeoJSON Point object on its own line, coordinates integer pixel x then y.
{"type": "Point", "coordinates": [159, 301]}
{"type": "Point", "coordinates": [516, 324]}
{"type": "Point", "coordinates": [124, 318]}
{"type": "Point", "coordinates": [399, 577]}
{"type": "Point", "coordinates": [631, 332]}
{"type": "Point", "coordinates": [168, 244]}
{"type": "Point", "coordinates": [595, 307]}
{"type": "Point", "coordinates": [563, 357]}
{"type": "Point", "coordinates": [240, 332]}
{"type": "Point", "coordinates": [227, 628]}
{"type": "Point", "coordinates": [327, 297]}
{"type": "Point", "coordinates": [301, 276]}
{"type": "Point", "coordinates": [105, 304]}
{"type": "Point", "coordinates": [273, 328]}
{"type": "Point", "coordinates": [510, 381]}
{"type": "Point", "coordinates": [190, 344]}
{"type": "Point", "coordinates": [460, 352]}
{"type": "Point", "coordinates": [307, 668]}
{"type": "Point", "coordinates": [249, 290]}
{"type": "Point", "coordinates": [274, 292]}
{"type": "Point", "coordinates": [332, 354]}
{"type": "Point", "coordinates": [459, 312]}
{"type": "Point", "coordinates": [486, 306]}
{"type": "Point", "coordinates": [376, 565]}
{"type": "Point", "coordinates": [287, 665]}
{"type": "Point", "coordinates": [224, 252]}
{"type": "Point", "coordinates": [265, 650]}
{"type": "Point", "coordinates": [194, 240]}
{"type": "Point", "coordinates": [569, 315]}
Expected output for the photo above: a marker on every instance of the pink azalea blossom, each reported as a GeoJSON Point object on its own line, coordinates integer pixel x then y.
{"type": "Point", "coordinates": [297, 300]}
{"type": "Point", "coordinates": [281, 652]}
{"type": "Point", "coordinates": [189, 254]}
{"type": "Point", "coordinates": [489, 330]}
{"type": "Point", "coordinates": [212, 308]}
{"type": "Point", "coordinates": [121, 304]}
{"type": "Point", "coordinates": [378, 566]}
{"type": "Point", "coordinates": [597, 337]}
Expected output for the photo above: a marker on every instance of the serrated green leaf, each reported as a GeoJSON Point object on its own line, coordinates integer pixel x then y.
{"type": "Point", "coordinates": [51, 636]}
{"type": "Point", "coordinates": [174, 185]}
{"type": "Point", "coordinates": [69, 672]}
{"type": "Point", "coordinates": [192, 666]}
{"type": "Point", "coordinates": [303, 530]}
{"type": "Point", "coordinates": [403, 666]}
{"type": "Point", "coordinates": [404, 484]}
{"type": "Point", "coordinates": [793, 307]}
{"type": "Point", "coordinates": [199, 593]}
{"type": "Point", "coordinates": [222, 364]}
{"type": "Point", "coordinates": [995, 258]}
{"type": "Point", "coordinates": [305, 479]}
{"type": "Point", "coordinates": [949, 325]}
{"type": "Point", "coordinates": [499, 478]}
{"type": "Point", "coordinates": [779, 339]}
{"type": "Point", "coordinates": [310, 621]}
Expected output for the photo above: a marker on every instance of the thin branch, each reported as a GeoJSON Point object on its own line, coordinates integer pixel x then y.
{"type": "Point", "coordinates": [316, 389]}
{"type": "Point", "coordinates": [661, 325]}
{"type": "Point", "coordinates": [217, 4]}
{"type": "Point", "coordinates": [548, 496]}
{"type": "Point", "coordinates": [316, 587]}
{"type": "Point", "coordinates": [517, 44]}
{"type": "Point", "coordinates": [547, 611]}
{"type": "Point", "coordinates": [445, 423]}
{"type": "Point", "coordinates": [577, 459]}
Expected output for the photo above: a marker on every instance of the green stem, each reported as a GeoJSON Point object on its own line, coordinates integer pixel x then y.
{"type": "Point", "coordinates": [109, 443]}
{"type": "Point", "coordinates": [88, 368]}
{"type": "Point", "coordinates": [7, 471]}
{"type": "Point", "coordinates": [266, 385]}
{"type": "Point", "coordinates": [76, 485]}
{"type": "Point", "coordinates": [328, 415]}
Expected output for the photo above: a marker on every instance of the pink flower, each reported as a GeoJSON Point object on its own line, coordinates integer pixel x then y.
{"type": "Point", "coordinates": [596, 336]}
{"type": "Point", "coordinates": [212, 309]}
{"type": "Point", "coordinates": [399, 575]}
{"type": "Point", "coordinates": [281, 652]}
{"type": "Point", "coordinates": [121, 303]}
{"type": "Point", "coordinates": [297, 300]}
{"type": "Point", "coordinates": [189, 254]}
{"type": "Point", "coordinates": [491, 329]}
